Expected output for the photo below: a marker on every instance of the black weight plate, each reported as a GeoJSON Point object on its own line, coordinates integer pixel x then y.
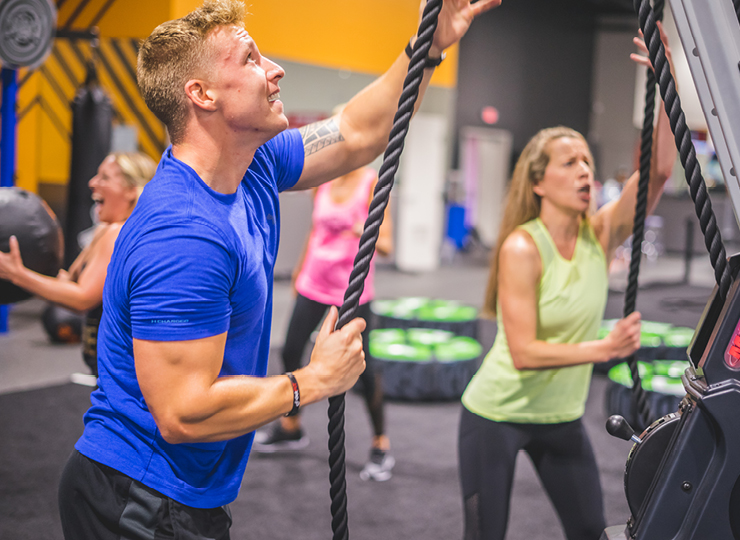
{"type": "Point", "coordinates": [26, 32]}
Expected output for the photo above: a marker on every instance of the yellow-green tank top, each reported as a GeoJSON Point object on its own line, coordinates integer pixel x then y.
{"type": "Point", "coordinates": [571, 297]}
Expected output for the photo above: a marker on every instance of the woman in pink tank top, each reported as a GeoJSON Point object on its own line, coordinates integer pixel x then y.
{"type": "Point", "coordinates": [320, 279]}
{"type": "Point", "coordinates": [339, 211]}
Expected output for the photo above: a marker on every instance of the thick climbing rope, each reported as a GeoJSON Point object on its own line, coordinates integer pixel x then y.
{"type": "Point", "coordinates": [686, 151]}
{"type": "Point", "coordinates": [639, 396]}
{"type": "Point", "coordinates": [409, 94]}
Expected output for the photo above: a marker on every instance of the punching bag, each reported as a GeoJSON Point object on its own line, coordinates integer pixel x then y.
{"type": "Point", "coordinates": [92, 116]}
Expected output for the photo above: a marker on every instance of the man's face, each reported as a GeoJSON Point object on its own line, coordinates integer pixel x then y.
{"type": "Point", "coordinates": [245, 84]}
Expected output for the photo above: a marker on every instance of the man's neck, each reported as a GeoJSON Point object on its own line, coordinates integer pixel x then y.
{"type": "Point", "coordinates": [220, 162]}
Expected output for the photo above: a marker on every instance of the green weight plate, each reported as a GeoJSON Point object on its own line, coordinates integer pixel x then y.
{"type": "Point", "coordinates": [658, 328]}
{"type": "Point", "coordinates": [667, 385]}
{"type": "Point", "coordinates": [661, 367]}
{"type": "Point", "coordinates": [650, 339]}
{"type": "Point", "coordinates": [458, 349]}
{"type": "Point", "coordinates": [427, 336]}
{"type": "Point", "coordinates": [673, 369]}
{"type": "Point", "coordinates": [383, 307]}
{"type": "Point", "coordinates": [620, 374]}
{"type": "Point", "coordinates": [677, 369]}
{"type": "Point", "coordinates": [679, 336]}
{"type": "Point", "coordinates": [412, 303]}
{"type": "Point", "coordinates": [387, 335]}
{"type": "Point", "coordinates": [400, 308]}
{"type": "Point", "coordinates": [400, 352]}
{"type": "Point", "coordinates": [448, 312]}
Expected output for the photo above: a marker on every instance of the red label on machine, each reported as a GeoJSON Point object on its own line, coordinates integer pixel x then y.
{"type": "Point", "coordinates": [732, 354]}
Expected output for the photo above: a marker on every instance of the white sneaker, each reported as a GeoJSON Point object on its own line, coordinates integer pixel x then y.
{"type": "Point", "coordinates": [379, 467]}
{"type": "Point", "coordinates": [85, 379]}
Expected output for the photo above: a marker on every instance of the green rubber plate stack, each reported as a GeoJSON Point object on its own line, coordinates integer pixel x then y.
{"type": "Point", "coordinates": [424, 363]}
{"type": "Point", "coordinates": [419, 312]}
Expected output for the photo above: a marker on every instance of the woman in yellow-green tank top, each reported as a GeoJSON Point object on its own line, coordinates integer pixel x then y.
{"type": "Point", "coordinates": [547, 289]}
{"type": "Point", "coordinates": [571, 297]}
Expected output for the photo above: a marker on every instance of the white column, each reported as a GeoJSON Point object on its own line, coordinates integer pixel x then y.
{"type": "Point", "coordinates": [421, 177]}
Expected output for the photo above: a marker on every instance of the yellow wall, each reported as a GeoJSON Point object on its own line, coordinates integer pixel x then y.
{"type": "Point", "coordinates": [121, 18]}
{"type": "Point", "coordinates": [356, 35]}
{"type": "Point", "coordinates": [180, 8]}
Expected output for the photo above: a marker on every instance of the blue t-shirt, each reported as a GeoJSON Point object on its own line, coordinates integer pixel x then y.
{"type": "Point", "coordinates": [189, 263]}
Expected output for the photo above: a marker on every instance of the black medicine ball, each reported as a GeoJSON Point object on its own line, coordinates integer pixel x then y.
{"type": "Point", "coordinates": [62, 325]}
{"type": "Point", "coordinates": [27, 217]}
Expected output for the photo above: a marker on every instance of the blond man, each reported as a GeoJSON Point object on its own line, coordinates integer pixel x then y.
{"type": "Point", "coordinates": [184, 341]}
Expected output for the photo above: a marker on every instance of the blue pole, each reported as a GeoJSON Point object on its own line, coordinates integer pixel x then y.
{"type": "Point", "coordinates": [7, 143]}
{"type": "Point", "coordinates": [7, 149]}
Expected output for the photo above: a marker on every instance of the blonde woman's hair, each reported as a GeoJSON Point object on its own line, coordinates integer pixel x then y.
{"type": "Point", "coordinates": [522, 203]}
{"type": "Point", "coordinates": [137, 168]}
{"type": "Point", "coordinates": [176, 52]}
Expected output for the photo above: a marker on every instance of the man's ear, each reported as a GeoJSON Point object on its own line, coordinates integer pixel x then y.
{"type": "Point", "coordinates": [199, 95]}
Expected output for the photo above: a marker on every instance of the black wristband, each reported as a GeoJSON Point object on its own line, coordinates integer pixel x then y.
{"type": "Point", "coordinates": [428, 61]}
{"type": "Point", "coordinates": [296, 395]}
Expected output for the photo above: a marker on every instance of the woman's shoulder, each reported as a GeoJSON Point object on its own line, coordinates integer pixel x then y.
{"type": "Point", "coordinates": [109, 229]}
{"type": "Point", "coordinates": [520, 258]}
{"type": "Point", "coordinates": [106, 234]}
{"type": "Point", "coordinates": [520, 244]}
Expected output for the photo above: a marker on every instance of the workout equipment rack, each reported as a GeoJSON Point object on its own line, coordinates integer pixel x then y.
{"type": "Point", "coordinates": [690, 457]}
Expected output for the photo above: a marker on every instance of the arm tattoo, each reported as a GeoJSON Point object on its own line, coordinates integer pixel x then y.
{"type": "Point", "coordinates": [320, 135]}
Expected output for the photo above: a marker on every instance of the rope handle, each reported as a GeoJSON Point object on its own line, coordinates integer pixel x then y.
{"type": "Point", "coordinates": [687, 153]}
{"type": "Point", "coordinates": [639, 397]}
{"type": "Point", "coordinates": [361, 267]}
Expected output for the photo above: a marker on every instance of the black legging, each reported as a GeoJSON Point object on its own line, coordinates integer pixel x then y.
{"type": "Point", "coordinates": [565, 463]}
{"type": "Point", "coordinates": [307, 314]}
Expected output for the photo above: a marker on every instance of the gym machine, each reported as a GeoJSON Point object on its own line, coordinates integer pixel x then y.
{"type": "Point", "coordinates": [682, 478]}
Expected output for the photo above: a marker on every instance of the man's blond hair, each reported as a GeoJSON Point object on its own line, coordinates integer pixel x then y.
{"type": "Point", "coordinates": [176, 52]}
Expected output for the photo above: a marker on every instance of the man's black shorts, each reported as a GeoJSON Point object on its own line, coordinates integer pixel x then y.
{"type": "Point", "coordinates": [99, 503]}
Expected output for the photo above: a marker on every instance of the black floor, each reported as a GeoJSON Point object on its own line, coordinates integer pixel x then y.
{"type": "Point", "coordinates": [287, 497]}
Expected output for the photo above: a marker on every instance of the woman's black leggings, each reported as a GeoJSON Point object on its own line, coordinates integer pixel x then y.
{"type": "Point", "coordinates": [562, 456]}
{"type": "Point", "coordinates": [307, 314]}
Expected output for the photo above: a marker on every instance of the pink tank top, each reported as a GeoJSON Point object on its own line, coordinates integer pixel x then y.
{"type": "Point", "coordinates": [333, 246]}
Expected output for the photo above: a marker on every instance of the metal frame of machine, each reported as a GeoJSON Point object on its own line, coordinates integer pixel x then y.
{"type": "Point", "coordinates": [694, 492]}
